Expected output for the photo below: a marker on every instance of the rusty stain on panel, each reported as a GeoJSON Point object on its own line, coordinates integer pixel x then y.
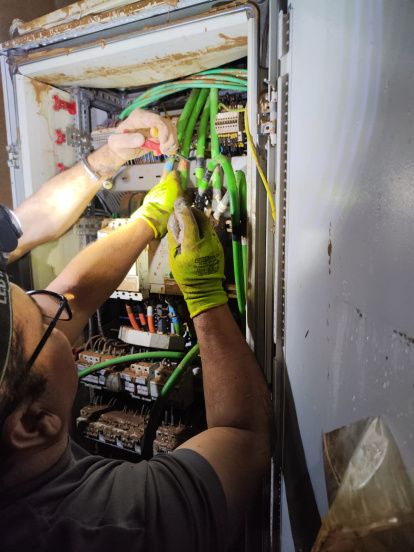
{"type": "Point", "coordinates": [69, 13]}
{"type": "Point", "coordinates": [77, 25]}
{"type": "Point", "coordinates": [40, 89]}
{"type": "Point", "coordinates": [149, 71]}
{"type": "Point", "coordinates": [359, 313]}
{"type": "Point", "coordinates": [41, 93]}
{"type": "Point", "coordinates": [405, 337]}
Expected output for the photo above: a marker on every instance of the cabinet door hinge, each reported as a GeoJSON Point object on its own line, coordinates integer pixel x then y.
{"type": "Point", "coordinates": [13, 156]}
{"type": "Point", "coordinates": [268, 112]}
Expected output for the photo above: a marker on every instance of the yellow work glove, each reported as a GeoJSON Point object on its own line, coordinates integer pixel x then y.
{"type": "Point", "coordinates": [158, 204]}
{"type": "Point", "coordinates": [196, 258]}
{"type": "Point", "coordinates": [131, 134]}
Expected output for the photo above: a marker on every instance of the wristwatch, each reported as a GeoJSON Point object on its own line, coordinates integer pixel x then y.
{"type": "Point", "coordinates": [10, 232]}
{"type": "Point", "coordinates": [92, 175]}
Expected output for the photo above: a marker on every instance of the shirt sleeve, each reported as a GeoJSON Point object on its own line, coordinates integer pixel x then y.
{"type": "Point", "coordinates": [186, 507]}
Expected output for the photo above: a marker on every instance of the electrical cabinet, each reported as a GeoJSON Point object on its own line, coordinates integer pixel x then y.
{"type": "Point", "coordinates": [330, 291]}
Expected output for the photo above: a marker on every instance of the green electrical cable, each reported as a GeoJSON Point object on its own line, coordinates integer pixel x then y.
{"type": "Point", "coordinates": [235, 222]}
{"type": "Point", "coordinates": [228, 71]}
{"type": "Point", "coordinates": [215, 144]}
{"type": "Point", "coordinates": [151, 429]}
{"type": "Point", "coordinates": [178, 328]}
{"type": "Point", "coordinates": [129, 358]}
{"type": "Point", "coordinates": [186, 112]}
{"type": "Point", "coordinates": [188, 134]}
{"type": "Point", "coordinates": [201, 142]}
{"type": "Point", "coordinates": [183, 120]}
{"type": "Point", "coordinates": [162, 94]}
{"type": "Point", "coordinates": [227, 79]}
{"type": "Point", "coordinates": [190, 83]}
{"type": "Point", "coordinates": [159, 93]}
{"type": "Point", "coordinates": [242, 187]}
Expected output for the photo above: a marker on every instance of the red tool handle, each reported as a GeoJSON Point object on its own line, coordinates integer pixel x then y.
{"type": "Point", "coordinates": [152, 146]}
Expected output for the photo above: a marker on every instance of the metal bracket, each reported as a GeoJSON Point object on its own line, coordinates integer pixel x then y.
{"type": "Point", "coordinates": [78, 139]}
{"type": "Point", "coordinates": [283, 41]}
{"type": "Point", "coordinates": [109, 101]}
{"type": "Point", "coordinates": [268, 113]}
{"type": "Point", "coordinates": [13, 156]}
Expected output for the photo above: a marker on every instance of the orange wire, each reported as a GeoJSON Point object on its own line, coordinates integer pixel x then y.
{"type": "Point", "coordinates": [132, 317]}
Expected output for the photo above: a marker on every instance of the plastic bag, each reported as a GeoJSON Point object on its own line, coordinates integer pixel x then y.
{"type": "Point", "coordinates": [373, 509]}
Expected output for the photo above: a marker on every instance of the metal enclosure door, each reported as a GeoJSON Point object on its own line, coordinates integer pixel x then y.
{"type": "Point", "coordinates": [349, 306]}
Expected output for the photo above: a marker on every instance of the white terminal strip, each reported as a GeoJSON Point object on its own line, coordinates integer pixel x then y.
{"type": "Point", "coordinates": [92, 175]}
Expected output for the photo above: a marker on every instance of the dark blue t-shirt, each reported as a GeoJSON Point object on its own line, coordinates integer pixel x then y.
{"type": "Point", "coordinates": [174, 502]}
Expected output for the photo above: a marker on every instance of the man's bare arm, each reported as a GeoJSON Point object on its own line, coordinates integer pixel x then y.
{"type": "Point", "coordinates": [239, 412]}
{"type": "Point", "coordinates": [91, 277]}
{"type": "Point", "coordinates": [57, 205]}
{"type": "Point", "coordinates": [237, 443]}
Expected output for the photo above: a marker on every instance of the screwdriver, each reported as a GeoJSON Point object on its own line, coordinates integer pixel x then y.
{"type": "Point", "coordinates": [155, 147]}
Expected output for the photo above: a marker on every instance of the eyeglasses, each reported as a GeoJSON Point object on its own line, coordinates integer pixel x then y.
{"type": "Point", "coordinates": [53, 307]}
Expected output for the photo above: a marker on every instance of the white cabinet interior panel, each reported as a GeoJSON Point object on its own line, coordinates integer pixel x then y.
{"type": "Point", "coordinates": [150, 57]}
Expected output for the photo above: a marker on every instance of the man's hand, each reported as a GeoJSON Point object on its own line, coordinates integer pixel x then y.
{"type": "Point", "coordinates": [196, 258]}
{"type": "Point", "coordinates": [130, 135]}
{"type": "Point", "coordinates": [158, 204]}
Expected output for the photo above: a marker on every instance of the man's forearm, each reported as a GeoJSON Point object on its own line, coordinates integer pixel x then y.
{"type": "Point", "coordinates": [236, 392]}
{"type": "Point", "coordinates": [58, 204]}
{"type": "Point", "coordinates": [90, 278]}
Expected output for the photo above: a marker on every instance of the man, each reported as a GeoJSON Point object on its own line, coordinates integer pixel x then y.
{"type": "Point", "coordinates": [58, 204]}
{"type": "Point", "coordinates": [54, 496]}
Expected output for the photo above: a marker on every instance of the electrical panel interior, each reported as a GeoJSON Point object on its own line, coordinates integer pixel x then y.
{"type": "Point", "coordinates": [147, 316]}
{"type": "Point", "coordinates": [139, 367]}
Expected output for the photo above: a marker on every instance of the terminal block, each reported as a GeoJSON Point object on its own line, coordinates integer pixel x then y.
{"type": "Point", "coordinates": [160, 341]}
{"type": "Point", "coordinates": [107, 378]}
{"type": "Point", "coordinates": [230, 130]}
{"type": "Point", "coordinates": [143, 380]}
{"type": "Point", "coordinates": [100, 136]}
{"type": "Point", "coordinates": [183, 393]}
{"type": "Point", "coordinates": [124, 429]}
{"type": "Point", "coordinates": [229, 123]}
{"type": "Point", "coordinates": [170, 436]}
{"type": "Point", "coordinates": [90, 357]}
{"type": "Point", "coordinates": [115, 427]}
{"type": "Point", "coordinates": [137, 377]}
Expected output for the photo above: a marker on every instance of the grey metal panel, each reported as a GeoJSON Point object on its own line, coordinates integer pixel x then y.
{"type": "Point", "coordinates": [12, 130]}
{"type": "Point", "coordinates": [349, 326]}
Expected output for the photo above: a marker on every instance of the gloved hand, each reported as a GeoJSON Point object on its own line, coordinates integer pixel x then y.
{"type": "Point", "coordinates": [196, 258]}
{"type": "Point", "coordinates": [132, 133]}
{"type": "Point", "coordinates": [158, 204]}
